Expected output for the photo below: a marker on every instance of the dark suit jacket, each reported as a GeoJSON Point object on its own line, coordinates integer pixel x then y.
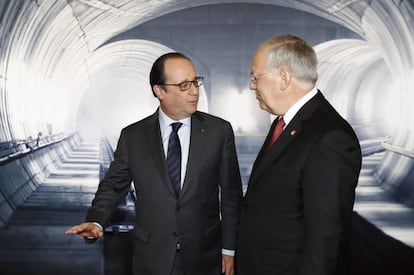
{"type": "Point", "coordinates": [193, 220]}
{"type": "Point", "coordinates": [296, 216]}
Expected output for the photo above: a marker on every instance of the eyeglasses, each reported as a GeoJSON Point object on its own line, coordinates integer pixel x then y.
{"type": "Point", "coordinates": [254, 78]}
{"type": "Point", "coordinates": [186, 85]}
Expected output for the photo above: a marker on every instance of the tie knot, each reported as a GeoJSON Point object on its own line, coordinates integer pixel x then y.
{"type": "Point", "coordinates": [280, 123]}
{"type": "Point", "coordinates": [175, 126]}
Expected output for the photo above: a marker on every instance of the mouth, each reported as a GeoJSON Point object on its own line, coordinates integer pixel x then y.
{"type": "Point", "coordinates": [193, 102]}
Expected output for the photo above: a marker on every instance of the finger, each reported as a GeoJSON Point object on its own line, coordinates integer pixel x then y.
{"type": "Point", "coordinates": [229, 271]}
{"type": "Point", "coordinates": [97, 233]}
{"type": "Point", "coordinates": [76, 229]}
{"type": "Point", "coordinates": [72, 230]}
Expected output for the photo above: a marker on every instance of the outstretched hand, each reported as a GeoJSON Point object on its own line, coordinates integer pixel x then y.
{"type": "Point", "coordinates": [86, 229]}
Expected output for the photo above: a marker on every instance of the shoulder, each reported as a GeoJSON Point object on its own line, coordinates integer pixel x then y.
{"type": "Point", "coordinates": [210, 119]}
{"type": "Point", "coordinates": [330, 120]}
{"type": "Point", "coordinates": [142, 124]}
{"type": "Point", "coordinates": [326, 128]}
{"type": "Point", "coordinates": [320, 116]}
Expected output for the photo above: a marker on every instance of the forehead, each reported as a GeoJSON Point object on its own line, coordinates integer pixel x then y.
{"type": "Point", "coordinates": [259, 61]}
{"type": "Point", "coordinates": [179, 69]}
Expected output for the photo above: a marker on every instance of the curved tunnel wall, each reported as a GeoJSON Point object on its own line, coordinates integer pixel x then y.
{"type": "Point", "coordinates": [394, 39]}
{"type": "Point", "coordinates": [48, 50]}
{"type": "Point", "coordinates": [362, 89]}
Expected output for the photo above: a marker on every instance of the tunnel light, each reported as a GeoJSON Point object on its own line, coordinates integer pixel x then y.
{"type": "Point", "coordinates": [238, 109]}
{"type": "Point", "coordinates": [35, 102]}
{"type": "Point", "coordinates": [118, 81]}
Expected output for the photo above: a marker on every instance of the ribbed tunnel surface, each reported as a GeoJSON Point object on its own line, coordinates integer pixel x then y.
{"type": "Point", "coordinates": [379, 207]}
{"type": "Point", "coordinates": [71, 69]}
{"type": "Point", "coordinates": [33, 240]}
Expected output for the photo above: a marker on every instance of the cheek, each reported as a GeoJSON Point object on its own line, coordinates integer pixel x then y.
{"type": "Point", "coordinates": [263, 92]}
{"type": "Point", "coordinates": [269, 91]}
{"type": "Point", "coordinates": [180, 101]}
{"type": "Point", "coordinates": [177, 98]}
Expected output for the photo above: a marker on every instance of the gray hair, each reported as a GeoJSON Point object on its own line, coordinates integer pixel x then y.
{"type": "Point", "coordinates": [295, 55]}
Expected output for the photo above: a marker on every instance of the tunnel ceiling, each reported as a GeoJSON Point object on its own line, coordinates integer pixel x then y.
{"type": "Point", "coordinates": [53, 41]}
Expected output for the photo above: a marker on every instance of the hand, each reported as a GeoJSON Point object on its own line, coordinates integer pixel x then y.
{"type": "Point", "coordinates": [227, 265]}
{"type": "Point", "coordinates": [86, 229]}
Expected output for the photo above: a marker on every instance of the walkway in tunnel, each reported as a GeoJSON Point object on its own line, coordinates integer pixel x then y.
{"type": "Point", "coordinates": [34, 240]}
{"type": "Point", "coordinates": [382, 229]}
{"type": "Point", "coordinates": [379, 207]}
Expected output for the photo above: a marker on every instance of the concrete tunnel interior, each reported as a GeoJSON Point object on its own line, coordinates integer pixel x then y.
{"type": "Point", "coordinates": [73, 70]}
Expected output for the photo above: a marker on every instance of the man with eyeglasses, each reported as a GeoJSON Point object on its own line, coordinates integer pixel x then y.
{"type": "Point", "coordinates": [296, 214]}
{"type": "Point", "coordinates": [184, 167]}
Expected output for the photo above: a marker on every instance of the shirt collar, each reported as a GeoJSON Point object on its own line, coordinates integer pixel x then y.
{"type": "Point", "coordinates": [165, 120]}
{"type": "Point", "coordinates": [291, 112]}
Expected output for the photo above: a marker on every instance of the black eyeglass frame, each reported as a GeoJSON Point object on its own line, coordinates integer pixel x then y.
{"type": "Point", "coordinates": [186, 85]}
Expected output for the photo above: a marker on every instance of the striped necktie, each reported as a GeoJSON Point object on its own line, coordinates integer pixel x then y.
{"type": "Point", "coordinates": [174, 158]}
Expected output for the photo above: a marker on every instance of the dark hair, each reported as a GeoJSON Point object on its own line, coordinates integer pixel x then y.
{"type": "Point", "coordinates": [157, 75]}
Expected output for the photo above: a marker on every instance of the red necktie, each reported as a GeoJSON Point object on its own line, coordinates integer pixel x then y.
{"type": "Point", "coordinates": [276, 132]}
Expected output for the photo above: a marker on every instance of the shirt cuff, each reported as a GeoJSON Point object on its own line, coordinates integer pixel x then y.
{"type": "Point", "coordinates": [97, 224]}
{"type": "Point", "coordinates": [227, 252]}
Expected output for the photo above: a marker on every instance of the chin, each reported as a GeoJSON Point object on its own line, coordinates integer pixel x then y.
{"type": "Point", "coordinates": [192, 110]}
{"type": "Point", "coordinates": [263, 106]}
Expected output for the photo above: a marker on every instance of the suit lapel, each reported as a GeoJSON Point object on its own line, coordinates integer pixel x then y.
{"type": "Point", "coordinates": [265, 159]}
{"type": "Point", "coordinates": [157, 151]}
{"type": "Point", "coordinates": [262, 151]}
{"type": "Point", "coordinates": [198, 138]}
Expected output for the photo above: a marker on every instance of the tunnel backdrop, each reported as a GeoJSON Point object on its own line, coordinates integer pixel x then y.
{"type": "Point", "coordinates": [78, 69]}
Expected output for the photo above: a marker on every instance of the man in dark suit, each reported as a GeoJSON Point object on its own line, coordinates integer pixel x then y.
{"type": "Point", "coordinates": [189, 228]}
{"type": "Point", "coordinates": [296, 214]}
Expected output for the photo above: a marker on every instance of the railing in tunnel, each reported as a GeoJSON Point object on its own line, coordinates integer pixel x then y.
{"type": "Point", "coordinates": [15, 149]}
{"type": "Point", "coordinates": [373, 146]}
{"type": "Point", "coordinates": [22, 171]}
{"type": "Point", "coordinates": [106, 157]}
{"type": "Point", "coordinates": [397, 149]}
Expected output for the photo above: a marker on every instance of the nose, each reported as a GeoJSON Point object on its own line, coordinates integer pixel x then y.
{"type": "Point", "coordinates": [252, 85]}
{"type": "Point", "coordinates": [194, 90]}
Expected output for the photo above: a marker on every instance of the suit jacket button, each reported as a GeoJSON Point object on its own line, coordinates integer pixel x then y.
{"type": "Point", "coordinates": [175, 234]}
{"type": "Point", "coordinates": [178, 208]}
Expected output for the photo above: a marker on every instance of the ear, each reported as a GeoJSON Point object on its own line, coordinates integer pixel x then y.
{"type": "Point", "coordinates": [286, 78]}
{"type": "Point", "coordinates": [158, 90]}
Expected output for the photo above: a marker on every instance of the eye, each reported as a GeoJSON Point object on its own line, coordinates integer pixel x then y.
{"type": "Point", "coordinates": [185, 85]}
